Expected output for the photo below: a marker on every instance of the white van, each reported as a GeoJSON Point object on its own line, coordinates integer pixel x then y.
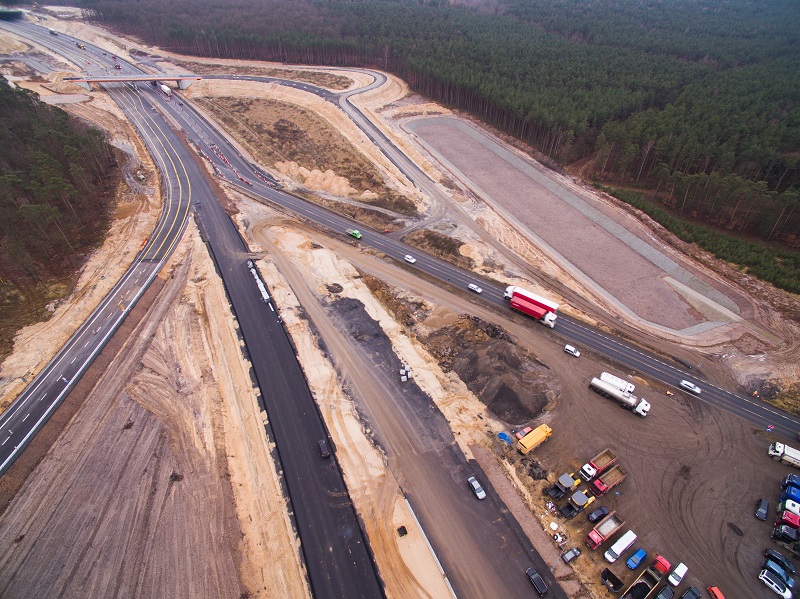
{"type": "Point", "coordinates": [677, 574]}
{"type": "Point", "coordinates": [788, 505]}
{"type": "Point", "coordinates": [620, 546]}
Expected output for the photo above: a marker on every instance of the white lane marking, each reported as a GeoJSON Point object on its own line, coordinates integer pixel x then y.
{"type": "Point", "coordinates": [4, 442]}
{"type": "Point", "coordinates": [73, 360]}
{"type": "Point", "coordinates": [26, 417]}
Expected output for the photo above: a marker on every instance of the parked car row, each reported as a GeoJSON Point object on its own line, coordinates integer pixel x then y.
{"type": "Point", "coordinates": [776, 572]}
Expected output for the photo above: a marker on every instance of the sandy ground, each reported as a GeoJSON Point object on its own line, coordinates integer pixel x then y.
{"type": "Point", "coordinates": [192, 419]}
{"type": "Point", "coordinates": [169, 420]}
{"type": "Point", "coordinates": [134, 220]}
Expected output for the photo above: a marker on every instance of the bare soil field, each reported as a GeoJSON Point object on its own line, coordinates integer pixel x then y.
{"type": "Point", "coordinates": [193, 494]}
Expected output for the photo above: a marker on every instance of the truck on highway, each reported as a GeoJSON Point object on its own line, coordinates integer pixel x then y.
{"type": "Point", "coordinates": [604, 530]}
{"type": "Point", "coordinates": [534, 438]}
{"type": "Point", "coordinates": [167, 91]}
{"type": "Point", "coordinates": [564, 484]}
{"type": "Point", "coordinates": [354, 233]}
{"type": "Point", "coordinates": [578, 502]}
{"type": "Point", "coordinates": [80, 45]}
{"type": "Point", "coordinates": [608, 480]}
{"type": "Point", "coordinates": [540, 308]}
{"type": "Point", "coordinates": [617, 382]}
{"type": "Point", "coordinates": [645, 585]}
{"type": "Point", "coordinates": [598, 464]}
{"type": "Point", "coordinates": [628, 401]}
{"type": "Point", "coordinates": [785, 454]}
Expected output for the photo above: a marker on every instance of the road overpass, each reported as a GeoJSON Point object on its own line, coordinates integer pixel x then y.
{"type": "Point", "coordinates": [182, 81]}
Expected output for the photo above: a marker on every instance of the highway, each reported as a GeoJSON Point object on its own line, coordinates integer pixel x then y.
{"type": "Point", "coordinates": [634, 358]}
{"type": "Point", "coordinates": [336, 554]}
{"type": "Point", "coordinates": [28, 414]}
{"type": "Point", "coordinates": [263, 332]}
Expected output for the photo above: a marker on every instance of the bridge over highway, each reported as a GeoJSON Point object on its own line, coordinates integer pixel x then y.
{"type": "Point", "coordinates": [182, 81]}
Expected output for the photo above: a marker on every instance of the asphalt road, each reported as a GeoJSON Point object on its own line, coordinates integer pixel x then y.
{"type": "Point", "coordinates": [230, 163]}
{"type": "Point", "coordinates": [634, 358]}
{"type": "Point", "coordinates": [28, 414]}
{"type": "Point", "coordinates": [336, 554]}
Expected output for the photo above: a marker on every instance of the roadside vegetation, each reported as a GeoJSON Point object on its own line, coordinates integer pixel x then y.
{"type": "Point", "coordinates": [776, 266]}
{"type": "Point", "coordinates": [56, 180]}
{"type": "Point", "coordinates": [676, 96]}
{"type": "Point", "coordinates": [277, 132]}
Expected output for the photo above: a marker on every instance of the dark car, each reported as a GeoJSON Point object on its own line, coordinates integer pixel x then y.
{"type": "Point", "coordinates": [762, 509]}
{"type": "Point", "coordinates": [598, 514]}
{"type": "Point", "coordinates": [666, 593]}
{"type": "Point", "coordinates": [776, 569]}
{"type": "Point", "coordinates": [781, 560]}
{"type": "Point", "coordinates": [571, 555]}
{"type": "Point", "coordinates": [691, 593]}
{"type": "Point", "coordinates": [323, 449]}
{"type": "Point", "coordinates": [537, 581]}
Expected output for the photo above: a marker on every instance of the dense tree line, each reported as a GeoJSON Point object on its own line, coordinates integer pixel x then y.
{"type": "Point", "coordinates": [672, 95]}
{"type": "Point", "coordinates": [54, 178]}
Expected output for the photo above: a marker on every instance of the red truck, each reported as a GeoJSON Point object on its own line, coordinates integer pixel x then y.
{"type": "Point", "coordinates": [789, 519]}
{"type": "Point", "coordinates": [608, 480]}
{"type": "Point", "coordinates": [645, 585]}
{"type": "Point", "coordinates": [540, 308]}
{"type": "Point", "coordinates": [604, 530]}
{"type": "Point", "coordinates": [598, 464]}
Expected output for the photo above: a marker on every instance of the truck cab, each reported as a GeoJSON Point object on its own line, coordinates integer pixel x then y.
{"type": "Point", "coordinates": [789, 519]}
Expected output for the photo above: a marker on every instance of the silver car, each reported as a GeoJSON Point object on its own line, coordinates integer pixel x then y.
{"type": "Point", "coordinates": [690, 387]}
{"type": "Point", "coordinates": [476, 487]}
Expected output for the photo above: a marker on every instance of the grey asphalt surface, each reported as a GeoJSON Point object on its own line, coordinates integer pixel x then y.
{"type": "Point", "coordinates": [638, 360]}
{"type": "Point", "coordinates": [337, 556]}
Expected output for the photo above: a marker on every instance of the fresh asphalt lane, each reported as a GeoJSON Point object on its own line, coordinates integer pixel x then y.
{"type": "Point", "coordinates": [336, 555]}
{"type": "Point", "coordinates": [31, 410]}
{"type": "Point", "coordinates": [638, 360]}
{"type": "Point", "coordinates": [635, 358]}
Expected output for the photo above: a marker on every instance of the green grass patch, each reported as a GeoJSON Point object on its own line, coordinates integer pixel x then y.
{"type": "Point", "coordinates": [779, 267]}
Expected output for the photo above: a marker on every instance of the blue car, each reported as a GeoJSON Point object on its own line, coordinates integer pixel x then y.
{"type": "Point", "coordinates": [636, 559]}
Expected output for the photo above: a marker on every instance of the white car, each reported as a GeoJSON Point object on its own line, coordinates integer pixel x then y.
{"type": "Point", "coordinates": [774, 584]}
{"type": "Point", "coordinates": [690, 387]}
{"type": "Point", "coordinates": [677, 574]}
{"type": "Point", "coordinates": [410, 259]}
{"type": "Point", "coordinates": [571, 350]}
{"type": "Point", "coordinates": [475, 288]}
{"type": "Point", "coordinates": [476, 487]}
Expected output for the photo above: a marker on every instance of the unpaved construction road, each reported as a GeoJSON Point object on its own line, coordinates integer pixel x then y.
{"type": "Point", "coordinates": [163, 483]}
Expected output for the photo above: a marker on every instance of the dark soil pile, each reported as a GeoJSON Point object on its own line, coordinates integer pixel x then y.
{"type": "Point", "coordinates": [514, 385]}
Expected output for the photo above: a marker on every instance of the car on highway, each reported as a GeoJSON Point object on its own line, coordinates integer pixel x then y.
{"type": "Point", "coordinates": [689, 386]}
{"type": "Point", "coordinates": [476, 487]}
{"type": "Point", "coordinates": [572, 351]}
{"type": "Point", "coordinates": [598, 514]}
{"type": "Point", "coordinates": [691, 593]}
{"type": "Point", "coordinates": [636, 559]}
{"type": "Point", "coordinates": [409, 258]}
{"type": "Point", "coordinates": [323, 448]}
{"type": "Point", "coordinates": [537, 581]}
{"type": "Point", "coordinates": [571, 555]}
{"type": "Point", "coordinates": [475, 288]}
{"type": "Point", "coordinates": [774, 584]}
{"type": "Point", "coordinates": [780, 559]}
{"type": "Point", "coordinates": [762, 509]}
